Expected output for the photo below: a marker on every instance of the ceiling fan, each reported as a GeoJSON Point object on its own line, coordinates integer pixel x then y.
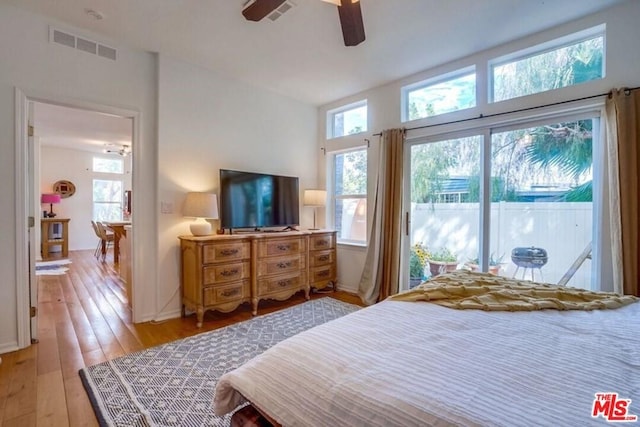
{"type": "Point", "coordinates": [123, 150]}
{"type": "Point", "coordinates": [348, 10]}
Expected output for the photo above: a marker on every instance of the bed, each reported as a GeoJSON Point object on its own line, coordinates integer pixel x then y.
{"type": "Point", "coordinates": [406, 363]}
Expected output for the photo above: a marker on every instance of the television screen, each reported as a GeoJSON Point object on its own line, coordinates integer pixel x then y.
{"type": "Point", "coordinates": [255, 200]}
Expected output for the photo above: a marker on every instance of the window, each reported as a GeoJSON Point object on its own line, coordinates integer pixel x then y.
{"type": "Point", "coordinates": [107, 192]}
{"type": "Point", "coordinates": [579, 59]}
{"type": "Point", "coordinates": [350, 196]}
{"type": "Point", "coordinates": [105, 165]}
{"type": "Point", "coordinates": [347, 120]}
{"type": "Point", "coordinates": [443, 94]}
{"type": "Point", "coordinates": [107, 200]}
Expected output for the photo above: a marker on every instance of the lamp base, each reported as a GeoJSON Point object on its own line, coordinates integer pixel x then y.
{"type": "Point", "coordinates": [50, 215]}
{"type": "Point", "coordinates": [200, 227]}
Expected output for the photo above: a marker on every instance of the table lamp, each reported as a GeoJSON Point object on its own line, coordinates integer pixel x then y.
{"type": "Point", "coordinates": [51, 198]}
{"type": "Point", "coordinates": [201, 206]}
{"type": "Point", "coordinates": [315, 199]}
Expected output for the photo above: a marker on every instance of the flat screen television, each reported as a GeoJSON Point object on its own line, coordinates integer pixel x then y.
{"type": "Point", "coordinates": [256, 200]}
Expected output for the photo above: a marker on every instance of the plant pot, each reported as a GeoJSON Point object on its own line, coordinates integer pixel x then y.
{"type": "Point", "coordinates": [438, 267]}
{"type": "Point", "coordinates": [493, 269]}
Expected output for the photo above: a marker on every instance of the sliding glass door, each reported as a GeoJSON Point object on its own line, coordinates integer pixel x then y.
{"type": "Point", "coordinates": [530, 216]}
{"type": "Point", "coordinates": [542, 200]}
{"type": "Point", "coordinates": [443, 217]}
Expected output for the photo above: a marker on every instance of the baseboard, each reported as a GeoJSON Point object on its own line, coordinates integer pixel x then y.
{"type": "Point", "coordinates": [9, 347]}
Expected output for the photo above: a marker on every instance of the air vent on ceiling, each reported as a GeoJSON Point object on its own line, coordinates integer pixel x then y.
{"type": "Point", "coordinates": [285, 7]}
{"type": "Point", "coordinates": [80, 43]}
{"type": "Point", "coordinates": [256, 10]}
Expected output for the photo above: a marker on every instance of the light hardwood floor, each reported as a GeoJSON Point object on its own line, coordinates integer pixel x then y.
{"type": "Point", "coordinates": [83, 320]}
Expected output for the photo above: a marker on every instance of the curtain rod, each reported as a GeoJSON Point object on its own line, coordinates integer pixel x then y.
{"type": "Point", "coordinates": [627, 91]}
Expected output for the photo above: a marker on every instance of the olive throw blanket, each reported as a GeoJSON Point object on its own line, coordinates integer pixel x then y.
{"type": "Point", "coordinates": [484, 291]}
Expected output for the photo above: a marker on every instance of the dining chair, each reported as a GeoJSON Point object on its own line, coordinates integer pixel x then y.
{"type": "Point", "coordinates": [106, 239]}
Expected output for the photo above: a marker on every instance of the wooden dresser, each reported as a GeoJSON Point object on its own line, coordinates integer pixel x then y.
{"type": "Point", "coordinates": [220, 272]}
{"type": "Point", "coordinates": [322, 259]}
{"type": "Point", "coordinates": [280, 267]}
{"type": "Point", "coordinates": [216, 273]}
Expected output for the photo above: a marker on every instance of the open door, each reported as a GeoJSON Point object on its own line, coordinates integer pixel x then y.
{"type": "Point", "coordinates": [33, 152]}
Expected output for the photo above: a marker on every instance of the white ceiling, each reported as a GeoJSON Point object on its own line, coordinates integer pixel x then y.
{"type": "Point", "coordinates": [80, 129]}
{"type": "Point", "coordinates": [301, 55]}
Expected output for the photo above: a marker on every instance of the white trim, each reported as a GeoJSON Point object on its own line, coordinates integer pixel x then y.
{"type": "Point", "coordinates": [23, 317]}
{"type": "Point", "coordinates": [22, 98]}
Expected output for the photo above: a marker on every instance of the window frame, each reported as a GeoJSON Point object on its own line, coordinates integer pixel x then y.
{"type": "Point", "coordinates": [107, 176]}
{"type": "Point", "coordinates": [331, 114]}
{"type": "Point", "coordinates": [541, 49]}
{"type": "Point", "coordinates": [333, 197]}
{"type": "Point", "coordinates": [433, 81]}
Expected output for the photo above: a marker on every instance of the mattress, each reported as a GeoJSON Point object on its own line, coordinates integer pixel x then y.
{"type": "Point", "coordinates": [415, 363]}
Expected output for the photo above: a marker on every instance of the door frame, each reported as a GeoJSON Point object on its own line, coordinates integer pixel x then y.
{"type": "Point", "coordinates": [25, 265]}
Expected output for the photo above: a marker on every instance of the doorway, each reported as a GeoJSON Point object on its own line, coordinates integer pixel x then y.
{"type": "Point", "coordinates": [56, 142]}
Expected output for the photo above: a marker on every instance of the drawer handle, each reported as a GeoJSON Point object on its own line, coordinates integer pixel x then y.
{"type": "Point", "coordinates": [229, 252]}
{"type": "Point", "coordinates": [283, 283]}
{"type": "Point", "coordinates": [229, 273]}
{"type": "Point", "coordinates": [322, 243]}
{"type": "Point", "coordinates": [323, 273]}
{"type": "Point", "coordinates": [230, 292]}
{"type": "Point", "coordinates": [323, 258]}
{"type": "Point", "coordinates": [282, 265]}
{"type": "Point", "coordinates": [284, 247]}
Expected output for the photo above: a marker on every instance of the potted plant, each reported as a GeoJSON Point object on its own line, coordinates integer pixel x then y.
{"type": "Point", "coordinates": [417, 263]}
{"type": "Point", "coordinates": [495, 264]}
{"type": "Point", "coordinates": [442, 261]}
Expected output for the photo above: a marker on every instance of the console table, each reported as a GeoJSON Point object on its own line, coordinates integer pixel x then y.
{"type": "Point", "coordinates": [220, 272]}
{"type": "Point", "coordinates": [48, 239]}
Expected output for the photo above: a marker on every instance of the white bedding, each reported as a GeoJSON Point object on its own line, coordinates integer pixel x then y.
{"type": "Point", "coordinates": [416, 363]}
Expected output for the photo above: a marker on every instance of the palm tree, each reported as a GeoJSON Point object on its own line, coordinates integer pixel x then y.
{"type": "Point", "coordinates": [569, 148]}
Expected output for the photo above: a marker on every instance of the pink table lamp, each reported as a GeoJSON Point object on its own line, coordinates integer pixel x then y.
{"type": "Point", "coordinates": [51, 199]}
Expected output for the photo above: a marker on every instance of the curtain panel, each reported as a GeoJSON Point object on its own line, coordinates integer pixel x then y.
{"type": "Point", "coordinates": [623, 134]}
{"type": "Point", "coordinates": [381, 275]}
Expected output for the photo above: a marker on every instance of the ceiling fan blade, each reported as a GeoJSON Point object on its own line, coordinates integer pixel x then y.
{"type": "Point", "coordinates": [351, 22]}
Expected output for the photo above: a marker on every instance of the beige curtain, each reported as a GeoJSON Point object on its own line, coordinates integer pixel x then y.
{"type": "Point", "coordinates": [623, 133]}
{"type": "Point", "coordinates": [381, 275]}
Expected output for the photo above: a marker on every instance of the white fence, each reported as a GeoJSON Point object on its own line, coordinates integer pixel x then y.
{"type": "Point", "coordinates": [562, 229]}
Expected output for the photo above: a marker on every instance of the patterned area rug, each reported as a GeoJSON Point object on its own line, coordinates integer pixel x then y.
{"type": "Point", "coordinates": [52, 268]}
{"type": "Point", "coordinates": [173, 384]}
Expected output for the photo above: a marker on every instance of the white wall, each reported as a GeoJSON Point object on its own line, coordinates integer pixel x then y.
{"type": "Point", "coordinates": [54, 72]}
{"type": "Point", "coordinates": [206, 123]}
{"type": "Point", "coordinates": [622, 69]}
{"type": "Point", "coordinates": [76, 166]}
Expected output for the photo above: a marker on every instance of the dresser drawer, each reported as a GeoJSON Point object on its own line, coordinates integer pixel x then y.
{"type": "Point", "coordinates": [280, 265]}
{"type": "Point", "coordinates": [267, 248]}
{"type": "Point", "coordinates": [219, 252]}
{"type": "Point", "coordinates": [322, 241]}
{"type": "Point", "coordinates": [319, 258]}
{"type": "Point", "coordinates": [280, 283]}
{"type": "Point", "coordinates": [226, 293]}
{"type": "Point", "coordinates": [324, 273]}
{"type": "Point", "coordinates": [226, 272]}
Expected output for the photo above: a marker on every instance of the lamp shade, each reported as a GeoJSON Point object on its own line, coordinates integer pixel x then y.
{"type": "Point", "coordinates": [201, 205]}
{"type": "Point", "coordinates": [50, 198]}
{"type": "Point", "coordinates": [314, 197]}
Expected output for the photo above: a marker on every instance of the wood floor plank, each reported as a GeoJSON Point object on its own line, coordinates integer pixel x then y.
{"type": "Point", "coordinates": [79, 407]}
{"type": "Point", "coordinates": [22, 396]}
{"type": "Point", "coordinates": [84, 319]}
{"type": "Point", "coordinates": [52, 403]}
